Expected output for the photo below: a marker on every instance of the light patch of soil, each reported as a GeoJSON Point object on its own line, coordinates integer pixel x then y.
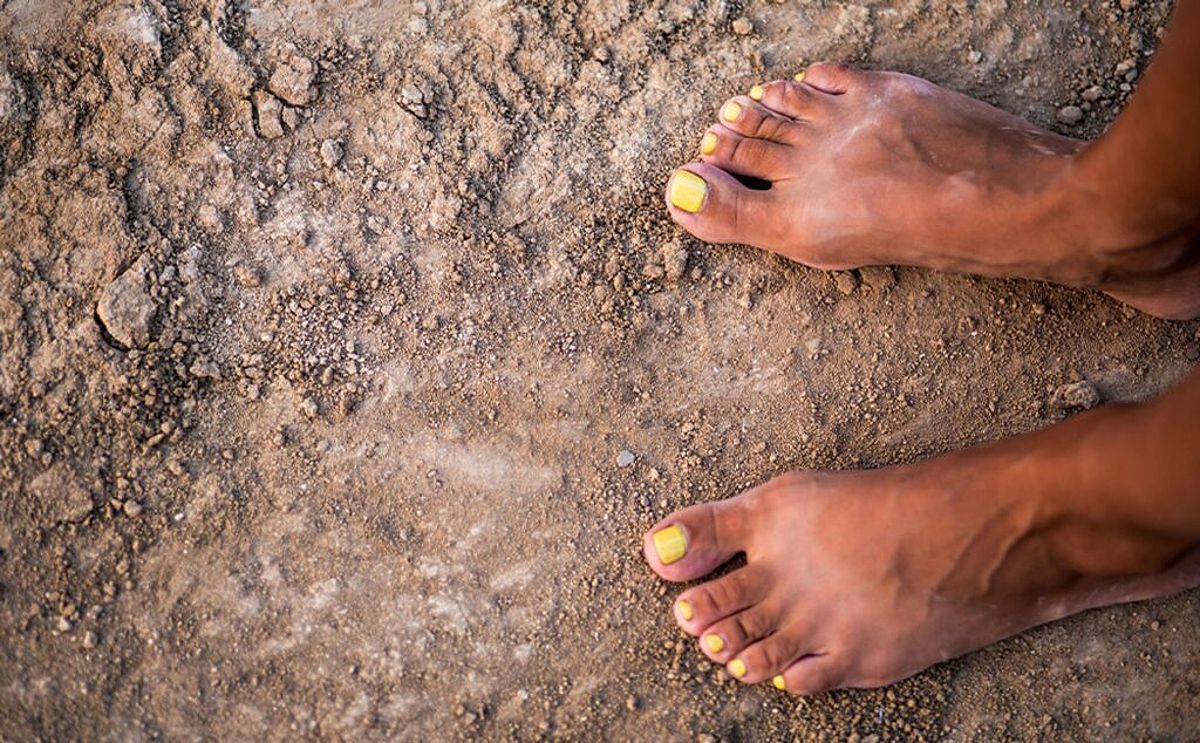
{"type": "Point", "coordinates": [324, 324]}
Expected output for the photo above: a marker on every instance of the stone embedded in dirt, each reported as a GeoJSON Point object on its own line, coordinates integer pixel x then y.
{"type": "Point", "coordinates": [132, 509]}
{"type": "Point", "coordinates": [881, 279]}
{"type": "Point", "coordinates": [293, 80]}
{"type": "Point", "coordinates": [1081, 395]}
{"type": "Point", "coordinates": [126, 309]}
{"type": "Point", "coordinates": [625, 458]}
{"type": "Point", "coordinates": [846, 281]}
{"type": "Point", "coordinates": [332, 152]}
{"type": "Point", "coordinates": [742, 26]}
{"type": "Point", "coordinates": [1070, 115]}
{"type": "Point", "coordinates": [674, 258]}
{"type": "Point", "coordinates": [61, 494]}
{"type": "Point", "coordinates": [309, 408]}
{"type": "Point", "coordinates": [248, 277]}
{"type": "Point", "coordinates": [269, 111]}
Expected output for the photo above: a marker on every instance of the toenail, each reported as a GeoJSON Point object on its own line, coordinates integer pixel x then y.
{"type": "Point", "coordinates": [799, 76]}
{"type": "Point", "coordinates": [780, 682]}
{"type": "Point", "coordinates": [669, 542]}
{"type": "Point", "coordinates": [732, 111]}
{"type": "Point", "coordinates": [714, 643]}
{"type": "Point", "coordinates": [685, 610]}
{"type": "Point", "coordinates": [737, 667]}
{"type": "Point", "coordinates": [687, 193]}
{"type": "Point", "coordinates": [708, 145]}
{"type": "Point", "coordinates": [756, 93]}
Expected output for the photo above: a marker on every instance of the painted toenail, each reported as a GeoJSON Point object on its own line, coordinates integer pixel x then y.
{"type": "Point", "coordinates": [714, 643]}
{"type": "Point", "coordinates": [799, 76]}
{"type": "Point", "coordinates": [669, 543]}
{"type": "Point", "coordinates": [737, 667]}
{"type": "Point", "coordinates": [687, 193]}
{"type": "Point", "coordinates": [685, 610]}
{"type": "Point", "coordinates": [779, 682]}
{"type": "Point", "coordinates": [708, 145]}
{"type": "Point", "coordinates": [756, 93]}
{"type": "Point", "coordinates": [732, 111]}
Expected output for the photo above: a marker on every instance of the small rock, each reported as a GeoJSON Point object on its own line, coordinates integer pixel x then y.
{"type": "Point", "coordinates": [1081, 395]}
{"type": "Point", "coordinates": [974, 56]}
{"type": "Point", "coordinates": [293, 80]}
{"type": "Point", "coordinates": [61, 493]}
{"type": "Point", "coordinates": [62, 624]}
{"type": "Point", "coordinates": [309, 408]}
{"type": "Point", "coordinates": [132, 509]}
{"type": "Point", "coordinates": [1093, 94]}
{"type": "Point", "coordinates": [674, 258]}
{"type": "Point", "coordinates": [742, 26]}
{"type": "Point", "coordinates": [1070, 115]}
{"type": "Point", "coordinates": [881, 279]}
{"type": "Point", "coordinates": [846, 281]}
{"type": "Point", "coordinates": [248, 276]}
{"type": "Point", "coordinates": [89, 640]}
{"type": "Point", "coordinates": [125, 309]}
{"type": "Point", "coordinates": [269, 111]}
{"type": "Point", "coordinates": [332, 152]}
{"type": "Point", "coordinates": [625, 458]}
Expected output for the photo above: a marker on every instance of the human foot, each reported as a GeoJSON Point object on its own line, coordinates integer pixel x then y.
{"type": "Point", "coordinates": [865, 168]}
{"type": "Point", "coordinates": [862, 579]}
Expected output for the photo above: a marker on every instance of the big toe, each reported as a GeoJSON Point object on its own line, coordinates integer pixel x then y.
{"type": "Point", "coordinates": [693, 542]}
{"type": "Point", "coordinates": [716, 207]}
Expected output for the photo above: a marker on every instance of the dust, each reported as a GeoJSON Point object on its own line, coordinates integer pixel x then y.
{"type": "Point", "coordinates": [326, 327]}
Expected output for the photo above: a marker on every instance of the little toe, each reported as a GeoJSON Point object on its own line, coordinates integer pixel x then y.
{"type": "Point", "coordinates": [752, 119]}
{"type": "Point", "coordinates": [694, 541]}
{"type": "Point", "coordinates": [714, 206]}
{"type": "Point", "coordinates": [770, 656]}
{"type": "Point", "coordinates": [760, 158]}
{"type": "Point", "coordinates": [701, 607]}
{"type": "Point", "coordinates": [727, 638]}
{"type": "Point", "coordinates": [812, 674]}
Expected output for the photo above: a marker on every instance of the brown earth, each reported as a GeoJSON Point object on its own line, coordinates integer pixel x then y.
{"type": "Point", "coordinates": [323, 326]}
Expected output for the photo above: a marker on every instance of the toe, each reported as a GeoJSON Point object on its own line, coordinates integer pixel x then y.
{"type": "Point", "coordinates": [751, 119]}
{"type": "Point", "coordinates": [692, 542]}
{"type": "Point", "coordinates": [714, 206]}
{"type": "Point", "coordinates": [726, 639]}
{"type": "Point", "coordinates": [793, 100]}
{"type": "Point", "coordinates": [772, 655]}
{"type": "Point", "coordinates": [832, 77]}
{"type": "Point", "coordinates": [811, 674]}
{"type": "Point", "coordinates": [760, 158]}
{"type": "Point", "coordinates": [701, 607]}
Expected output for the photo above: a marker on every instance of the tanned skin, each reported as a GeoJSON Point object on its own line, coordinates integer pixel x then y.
{"type": "Point", "coordinates": [863, 578]}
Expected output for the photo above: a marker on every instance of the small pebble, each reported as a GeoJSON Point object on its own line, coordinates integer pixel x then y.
{"type": "Point", "coordinates": [742, 26]}
{"type": "Point", "coordinates": [625, 458]}
{"type": "Point", "coordinates": [1070, 115]}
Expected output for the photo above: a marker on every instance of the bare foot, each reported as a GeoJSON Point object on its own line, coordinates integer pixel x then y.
{"type": "Point", "coordinates": [863, 168]}
{"type": "Point", "coordinates": [862, 579]}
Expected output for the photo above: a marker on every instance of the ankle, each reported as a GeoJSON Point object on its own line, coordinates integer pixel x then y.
{"type": "Point", "coordinates": [1132, 239]}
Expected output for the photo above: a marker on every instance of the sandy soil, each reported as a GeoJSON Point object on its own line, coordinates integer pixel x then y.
{"type": "Point", "coordinates": [323, 326]}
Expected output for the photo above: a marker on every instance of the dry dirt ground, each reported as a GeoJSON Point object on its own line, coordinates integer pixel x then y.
{"type": "Point", "coordinates": [324, 326]}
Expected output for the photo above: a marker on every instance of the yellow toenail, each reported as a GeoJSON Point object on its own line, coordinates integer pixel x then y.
{"type": "Point", "coordinates": [732, 111]}
{"type": "Point", "coordinates": [737, 667]}
{"type": "Point", "coordinates": [669, 542]}
{"type": "Point", "coordinates": [715, 643]}
{"type": "Point", "coordinates": [756, 93]}
{"type": "Point", "coordinates": [687, 193]}
{"type": "Point", "coordinates": [779, 682]}
{"type": "Point", "coordinates": [685, 610]}
{"type": "Point", "coordinates": [799, 76]}
{"type": "Point", "coordinates": [708, 145]}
